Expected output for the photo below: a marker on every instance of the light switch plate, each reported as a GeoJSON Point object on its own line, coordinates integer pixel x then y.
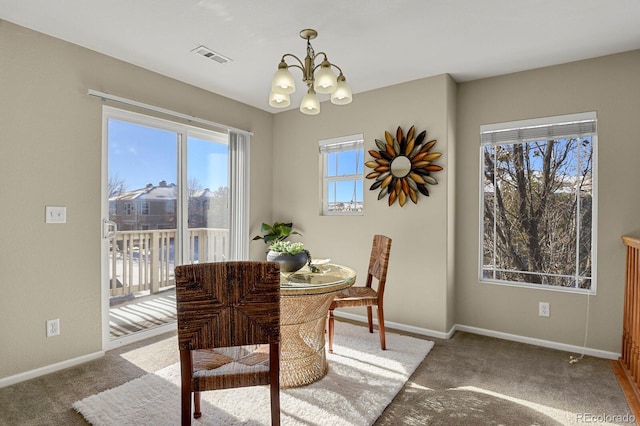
{"type": "Point", "coordinates": [55, 214]}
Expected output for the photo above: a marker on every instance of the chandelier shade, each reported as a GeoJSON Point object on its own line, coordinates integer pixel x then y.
{"type": "Point", "coordinates": [319, 79]}
{"type": "Point", "coordinates": [342, 94]}
{"type": "Point", "coordinates": [310, 104]}
{"type": "Point", "coordinates": [325, 80]}
{"type": "Point", "coordinates": [283, 81]}
{"type": "Point", "coordinates": [278, 100]}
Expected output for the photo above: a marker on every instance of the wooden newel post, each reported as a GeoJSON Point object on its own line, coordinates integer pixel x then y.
{"type": "Point", "coordinates": [627, 368]}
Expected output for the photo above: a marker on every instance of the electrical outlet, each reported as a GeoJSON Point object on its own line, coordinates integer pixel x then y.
{"type": "Point", "coordinates": [53, 327]}
{"type": "Point", "coordinates": [543, 309]}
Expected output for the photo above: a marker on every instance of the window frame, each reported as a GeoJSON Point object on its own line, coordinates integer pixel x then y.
{"type": "Point", "coordinates": [530, 124]}
{"type": "Point", "coordinates": [128, 208]}
{"type": "Point", "coordinates": [337, 145]}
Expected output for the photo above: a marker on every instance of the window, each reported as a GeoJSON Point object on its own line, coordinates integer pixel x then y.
{"type": "Point", "coordinates": [538, 199]}
{"type": "Point", "coordinates": [128, 209]}
{"type": "Point", "coordinates": [170, 208]}
{"type": "Point", "coordinates": [144, 208]}
{"type": "Point", "coordinates": [342, 175]}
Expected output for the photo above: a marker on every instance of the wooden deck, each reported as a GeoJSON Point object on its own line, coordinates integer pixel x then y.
{"type": "Point", "coordinates": [142, 313]}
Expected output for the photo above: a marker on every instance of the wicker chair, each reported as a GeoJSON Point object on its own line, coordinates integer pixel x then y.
{"type": "Point", "coordinates": [228, 316]}
{"type": "Point", "coordinates": [366, 295]}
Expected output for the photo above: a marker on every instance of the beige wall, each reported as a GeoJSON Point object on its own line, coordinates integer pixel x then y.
{"type": "Point", "coordinates": [419, 291]}
{"type": "Point", "coordinates": [611, 87]}
{"type": "Point", "coordinates": [50, 154]}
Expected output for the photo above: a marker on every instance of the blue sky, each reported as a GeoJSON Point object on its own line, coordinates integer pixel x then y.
{"type": "Point", "coordinates": [140, 155]}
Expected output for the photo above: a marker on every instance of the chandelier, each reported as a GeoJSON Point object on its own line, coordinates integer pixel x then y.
{"type": "Point", "coordinates": [318, 78]}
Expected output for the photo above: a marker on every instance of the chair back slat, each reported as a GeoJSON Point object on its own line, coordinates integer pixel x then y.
{"type": "Point", "coordinates": [379, 262]}
{"type": "Point", "coordinates": [222, 304]}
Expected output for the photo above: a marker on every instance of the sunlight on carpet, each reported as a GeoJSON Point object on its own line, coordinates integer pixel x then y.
{"type": "Point", "coordinates": [562, 416]}
{"type": "Point", "coordinates": [362, 381]}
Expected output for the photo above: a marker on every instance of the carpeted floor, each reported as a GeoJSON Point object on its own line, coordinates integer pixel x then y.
{"type": "Point", "coordinates": [357, 367]}
{"type": "Point", "coordinates": [478, 380]}
{"type": "Point", "coordinates": [465, 380]}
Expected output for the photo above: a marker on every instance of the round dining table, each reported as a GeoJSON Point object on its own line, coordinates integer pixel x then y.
{"type": "Point", "coordinates": [305, 297]}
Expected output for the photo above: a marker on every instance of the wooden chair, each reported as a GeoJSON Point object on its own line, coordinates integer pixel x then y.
{"type": "Point", "coordinates": [366, 295]}
{"type": "Point", "coordinates": [228, 316]}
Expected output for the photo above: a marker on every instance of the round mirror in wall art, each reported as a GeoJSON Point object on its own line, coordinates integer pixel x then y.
{"type": "Point", "coordinates": [400, 166]}
{"type": "Point", "coordinates": [403, 166]}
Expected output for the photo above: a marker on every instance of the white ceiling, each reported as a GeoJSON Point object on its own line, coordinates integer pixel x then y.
{"type": "Point", "coordinates": [376, 43]}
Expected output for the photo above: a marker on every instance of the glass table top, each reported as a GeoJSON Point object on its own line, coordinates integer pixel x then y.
{"type": "Point", "coordinates": [328, 278]}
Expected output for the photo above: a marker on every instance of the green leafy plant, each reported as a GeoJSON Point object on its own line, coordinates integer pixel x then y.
{"type": "Point", "coordinates": [276, 232]}
{"type": "Point", "coordinates": [287, 247]}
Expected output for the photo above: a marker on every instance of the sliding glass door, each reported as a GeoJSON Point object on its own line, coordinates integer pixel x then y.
{"type": "Point", "coordinates": [166, 202]}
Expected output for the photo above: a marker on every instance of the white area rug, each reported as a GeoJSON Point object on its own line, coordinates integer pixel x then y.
{"type": "Point", "coordinates": [362, 381]}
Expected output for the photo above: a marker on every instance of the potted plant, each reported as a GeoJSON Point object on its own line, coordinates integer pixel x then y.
{"type": "Point", "coordinates": [290, 256]}
{"type": "Point", "coordinates": [276, 232]}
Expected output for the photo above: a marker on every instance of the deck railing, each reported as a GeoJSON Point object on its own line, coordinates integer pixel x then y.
{"type": "Point", "coordinates": [144, 260]}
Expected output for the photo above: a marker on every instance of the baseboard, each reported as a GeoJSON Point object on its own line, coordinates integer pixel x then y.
{"type": "Point", "coordinates": [7, 381]}
{"type": "Point", "coordinates": [485, 332]}
{"type": "Point", "coordinates": [398, 326]}
{"type": "Point", "coordinates": [539, 342]}
{"type": "Point", "coordinates": [32, 374]}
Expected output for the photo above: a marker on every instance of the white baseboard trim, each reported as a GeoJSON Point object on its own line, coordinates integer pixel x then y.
{"type": "Point", "coordinates": [28, 375]}
{"type": "Point", "coordinates": [408, 328]}
{"type": "Point", "coordinates": [539, 342]}
{"type": "Point", "coordinates": [485, 332]}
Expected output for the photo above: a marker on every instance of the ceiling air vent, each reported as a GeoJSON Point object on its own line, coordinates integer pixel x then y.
{"type": "Point", "coordinates": [208, 53]}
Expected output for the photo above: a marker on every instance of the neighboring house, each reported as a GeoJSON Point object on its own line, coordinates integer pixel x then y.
{"type": "Point", "coordinates": [151, 207]}
{"type": "Point", "coordinates": [154, 207]}
{"type": "Point", "coordinates": [209, 209]}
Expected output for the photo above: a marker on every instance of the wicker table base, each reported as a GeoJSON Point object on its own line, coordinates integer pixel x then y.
{"type": "Point", "coordinates": [302, 331]}
{"type": "Point", "coordinates": [305, 298]}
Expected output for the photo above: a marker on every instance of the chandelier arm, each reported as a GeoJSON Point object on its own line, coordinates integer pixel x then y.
{"type": "Point", "coordinates": [334, 65]}
{"type": "Point", "coordinates": [296, 66]}
{"type": "Point", "coordinates": [313, 61]}
{"type": "Point", "coordinates": [326, 58]}
{"type": "Point", "coordinates": [301, 65]}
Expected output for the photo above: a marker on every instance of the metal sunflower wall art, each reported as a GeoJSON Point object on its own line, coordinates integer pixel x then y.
{"type": "Point", "coordinates": [402, 167]}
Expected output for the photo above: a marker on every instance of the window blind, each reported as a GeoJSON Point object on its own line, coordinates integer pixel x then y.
{"type": "Point", "coordinates": [577, 125]}
{"type": "Point", "coordinates": [239, 195]}
{"type": "Point", "coordinates": [342, 143]}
